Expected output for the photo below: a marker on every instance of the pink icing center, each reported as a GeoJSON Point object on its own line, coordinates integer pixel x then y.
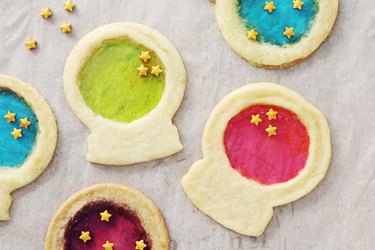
{"type": "Point", "coordinates": [123, 229]}
{"type": "Point", "coordinates": [267, 159]}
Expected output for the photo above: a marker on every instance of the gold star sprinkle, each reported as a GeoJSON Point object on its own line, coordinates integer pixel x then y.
{"type": "Point", "coordinates": [85, 236]}
{"type": "Point", "coordinates": [108, 246]}
{"type": "Point", "coordinates": [105, 215]}
{"type": "Point", "coordinates": [46, 13]}
{"type": "Point", "coordinates": [271, 130]}
{"type": "Point", "coordinates": [156, 70]}
{"type": "Point", "coordinates": [17, 133]}
{"type": "Point", "coordinates": [272, 114]}
{"type": "Point", "coordinates": [297, 4]}
{"type": "Point", "coordinates": [270, 6]}
{"type": "Point", "coordinates": [252, 34]}
{"type": "Point", "coordinates": [142, 70]}
{"type": "Point", "coordinates": [145, 56]}
{"type": "Point", "coordinates": [10, 117]}
{"type": "Point", "coordinates": [289, 32]}
{"type": "Point", "coordinates": [255, 119]}
{"type": "Point", "coordinates": [69, 5]}
{"type": "Point", "coordinates": [140, 245]}
{"type": "Point", "coordinates": [25, 123]}
{"type": "Point", "coordinates": [66, 27]}
{"type": "Point", "coordinates": [31, 44]}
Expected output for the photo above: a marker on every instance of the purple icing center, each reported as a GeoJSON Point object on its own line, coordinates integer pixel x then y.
{"type": "Point", "coordinates": [123, 229]}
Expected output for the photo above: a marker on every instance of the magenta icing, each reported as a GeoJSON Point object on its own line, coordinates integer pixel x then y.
{"type": "Point", "coordinates": [123, 229]}
{"type": "Point", "coordinates": [267, 159]}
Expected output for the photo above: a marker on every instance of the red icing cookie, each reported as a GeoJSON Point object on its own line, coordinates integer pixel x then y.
{"type": "Point", "coordinates": [108, 217]}
{"type": "Point", "coordinates": [263, 146]}
{"type": "Point", "coordinates": [263, 158]}
{"type": "Point", "coordinates": [123, 227]}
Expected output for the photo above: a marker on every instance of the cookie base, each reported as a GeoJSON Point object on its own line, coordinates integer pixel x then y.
{"type": "Point", "coordinates": [153, 143]}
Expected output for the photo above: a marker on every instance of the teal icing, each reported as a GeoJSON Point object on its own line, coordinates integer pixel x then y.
{"type": "Point", "coordinates": [13, 153]}
{"type": "Point", "coordinates": [271, 26]}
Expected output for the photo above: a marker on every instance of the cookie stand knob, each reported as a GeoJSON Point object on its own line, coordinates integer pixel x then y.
{"type": "Point", "coordinates": [125, 81]}
{"type": "Point", "coordinates": [6, 201]}
{"type": "Point", "coordinates": [263, 146]}
{"type": "Point", "coordinates": [28, 135]}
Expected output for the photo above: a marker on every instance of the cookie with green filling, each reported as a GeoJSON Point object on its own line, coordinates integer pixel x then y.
{"type": "Point", "coordinates": [125, 81]}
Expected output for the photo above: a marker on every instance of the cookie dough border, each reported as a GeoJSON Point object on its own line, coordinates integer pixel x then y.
{"type": "Point", "coordinates": [268, 55]}
{"type": "Point", "coordinates": [42, 153]}
{"type": "Point", "coordinates": [238, 203]}
{"type": "Point", "coordinates": [140, 140]}
{"type": "Point", "coordinates": [146, 210]}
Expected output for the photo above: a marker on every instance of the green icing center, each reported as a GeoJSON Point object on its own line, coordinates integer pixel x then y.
{"type": "Point", "coordinates": [110, 84]}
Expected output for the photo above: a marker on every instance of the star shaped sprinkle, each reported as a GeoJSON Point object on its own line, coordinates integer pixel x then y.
{"type": "Point", "coordinates": [156, 70]}
{"type": "Point", "coordinates": [66, 27]}
{"type": "Point", "coordinates": [85, 236]}
{"type": "Point", "coordinates": [10, 117]}
{"type": "Point", "coordinates": [25, 123]}
{"type": "Point", "coordinates": [46, 13]}
{"type": "Point", "coordinates": [140, 245]}
{"type": "Point", "coordinates": [108, 246]}
{"type": "Point", "coordinates": [272, 114]}
{"type": "Point", "coordinates": [289, 32]}
{"type": "Point", "coordinates": [271, 130]}
{"type": "Point", "coordinates": [17, 133]}
{"type": "Point", "coordinates": [297, 4]}
{"type": "Point", "coordinates": [142, 70]}
{"type": "Point", "coordinates": [255, 119]}
{"type": "Point", "coordinates": [69, 5]}
{"type": "Point", "coordinates": [145, 56]}
{"type": "Point", "coordinates": [252, 34]}
{"type": "Point", "coordinates": [31, 44]}
{"type": "Point", "coordinates": [105, 215]}
{"type": "Point", "coordinates": [270, 6]}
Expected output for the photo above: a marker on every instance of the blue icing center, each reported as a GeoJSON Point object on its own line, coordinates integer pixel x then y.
{"type": "Point", "coordinates": [271, 26]}
{"type": "Point", "coordinates": [14, 152]}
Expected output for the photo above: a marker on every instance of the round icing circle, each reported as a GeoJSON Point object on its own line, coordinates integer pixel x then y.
{"type": "Point", "coordinates": [110, 84]}
{"type": "Point", "coordinates": [15, 152]}
{"type": "Point", "coordinates": [271, 26]}
{"type": "Point", "coordinates": [267, 159]}
{"type": "Point", "coordinates": [131, 217]}
{"type": "Point", "coordinates": [123, 228]}
{"type": "Point", "coordinates": [272, 49]}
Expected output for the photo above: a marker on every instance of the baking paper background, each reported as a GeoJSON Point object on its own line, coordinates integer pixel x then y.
{"type": "Point", "coordinates": [338, 79]}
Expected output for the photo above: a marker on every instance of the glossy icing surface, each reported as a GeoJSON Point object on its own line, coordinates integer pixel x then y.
{"type": "Point", "coordinates": [110, 84]}
{"type": "Point", "coordinates": [123, 229]}
{"type": "Point", "coordinates": [262, 158]}
{"type": "Point", "coordinates": [271, 26]}
{"type": "Point", "coordinates": [14, 152]}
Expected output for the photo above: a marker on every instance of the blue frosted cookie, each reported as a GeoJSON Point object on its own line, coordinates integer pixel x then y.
{"type": "Point", "coordinates": [278, 33]}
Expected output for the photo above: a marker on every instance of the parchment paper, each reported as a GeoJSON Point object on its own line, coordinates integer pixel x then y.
{"type": "Point", "coordinates": [338, 79]}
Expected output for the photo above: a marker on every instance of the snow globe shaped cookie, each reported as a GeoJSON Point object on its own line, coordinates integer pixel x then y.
{"type": "Point", "coordinates": [107, 216]}
{"type": "Point", "coordinates": [278, 33]}
{"type": "Point", "coordinates": [28, 135]}
{"type": "Point", "coordinates": [125, 81]}
{"type": "Point", "coordinates": [263, 146]}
